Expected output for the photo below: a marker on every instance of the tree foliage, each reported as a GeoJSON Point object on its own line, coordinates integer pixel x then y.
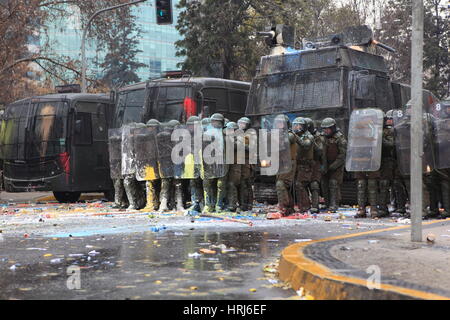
{"type": "Point", "coordinates": [397, 32]}
{"type": "Point", "coordinates": [219, 36]}
{"type": "Point", "coordinates": [24, 20]}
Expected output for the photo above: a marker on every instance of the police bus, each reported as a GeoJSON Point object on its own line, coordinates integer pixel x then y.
{"type": "Point", "coordinates": [178, 99]}
{"type": "Point", "coordinates": [58, 143]}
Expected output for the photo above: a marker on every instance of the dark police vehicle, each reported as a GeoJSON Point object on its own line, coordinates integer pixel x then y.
{"type": "Point", "coordinates": [329, 77]}
{"type": "Point", "coordinates": [178, 99]}
{"type": "Point", "coordinates": [58, 143]}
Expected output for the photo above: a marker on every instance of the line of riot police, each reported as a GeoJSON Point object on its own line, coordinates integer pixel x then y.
{"type": "Point", "coordinates": [310, 163]}
{"type": "Point", "coordinates": [146, 175]}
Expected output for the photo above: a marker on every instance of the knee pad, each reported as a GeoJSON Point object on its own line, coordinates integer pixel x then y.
{"type": "Point", "coordinates": [362, 184]}
{"type": "Point", "coordinates": [315, 186]}
{"type": "Point", "coordinates": [372, 184]}
{"type": "Point", "coordinates": [384, 184]}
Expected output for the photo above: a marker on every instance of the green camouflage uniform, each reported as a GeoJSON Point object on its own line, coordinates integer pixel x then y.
{"type": "Point", "coordinates": [285, 182]}
{"type": "Point", "coordinates": [335, 150]}
{"type": "Point", "coordinates": [305, 167]}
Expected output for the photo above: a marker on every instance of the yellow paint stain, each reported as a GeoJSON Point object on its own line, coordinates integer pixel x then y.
{"type": "Point", "coordinates": [189, 167]}
{"type": "Point", "coordinates": [150, 174]}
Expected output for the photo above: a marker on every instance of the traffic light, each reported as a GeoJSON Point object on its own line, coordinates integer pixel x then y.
{"type": "Point", "coordinates": [164, 12]}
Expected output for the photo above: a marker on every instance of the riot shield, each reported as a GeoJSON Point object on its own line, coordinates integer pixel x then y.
{"type": "Point", "coordinates": [365, 140]}
{"type": "Point", "coordinates": [214, 160]}
{"type": "Point", "coordinates": [191, 162]}
{"type": "Point", "coordinates": [274, 146]}
{"type": "Point", "coordinates": [115, 153]}
{"type": "Point", "coordinates": [402, 129]}
{"type": "Point", "coordinates": [442, 142]}
{"type": "Point", "coordinates": [128, 154]}
{"type": "Point", "coordinates": [146, 153]}
{"type": "Point", "coordinates": [165, 146]}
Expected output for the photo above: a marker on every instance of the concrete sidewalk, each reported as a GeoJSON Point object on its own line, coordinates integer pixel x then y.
{"type": "Point", "coordinates": [340, 267]}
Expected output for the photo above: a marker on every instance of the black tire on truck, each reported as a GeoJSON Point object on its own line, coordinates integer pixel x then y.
{"type": "Point", "coordinates": [67, 197]}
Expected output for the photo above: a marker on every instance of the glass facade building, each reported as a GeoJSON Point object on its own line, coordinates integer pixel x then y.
{"type": "Point", "coordinates": [157, 42]}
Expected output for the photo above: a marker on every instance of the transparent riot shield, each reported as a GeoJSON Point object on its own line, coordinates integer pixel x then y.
{"type": "Point", "coordinates": [442, 142]}
{"type": "Point", "coordinates": [146, 150]}
{"type": "Point", "coordinates": [165, 146]}
{"type": "Point", "coordinates": [365, 140]}
{"type": "Point", "coordinates": [402, 129]}
{"type": "Point", "coordinates": [274, 146]}
{"type": "Point", "coordinates": [115, 153]}
{"type": "Point", "coordinates": [190, 152]}
{"type": "Point", "coordinates": [128, 155]}
{"type": "Point", "coordinates": [214, 155]}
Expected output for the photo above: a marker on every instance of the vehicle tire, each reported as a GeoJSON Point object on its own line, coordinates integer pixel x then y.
{"type": "Point", "coordinates": [67, 197]}
{"type": "Point", "coordinates": [265, 192]}
{"type": "Point", "coordinates": [109, 195]}
{"type": "Point", "coordinates": [349, 193]}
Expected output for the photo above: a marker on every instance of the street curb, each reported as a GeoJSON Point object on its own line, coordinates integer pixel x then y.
{"type": "Point", "coordinates": [320, 282]}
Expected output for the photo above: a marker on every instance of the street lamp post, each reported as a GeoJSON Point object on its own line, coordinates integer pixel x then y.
{"type": "Point", "coordinates": [83, 40]}
{"type": "Point", "coordinates": [416, 120]}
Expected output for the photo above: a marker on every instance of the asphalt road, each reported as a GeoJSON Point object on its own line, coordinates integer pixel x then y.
{"type": "Point", "coordinates": [88, 251]}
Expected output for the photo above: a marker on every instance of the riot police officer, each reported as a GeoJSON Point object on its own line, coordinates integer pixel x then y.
{"type": "Point", "coordinates": [215, 176]}
{"type": "Point", "coordinates": [171, 188]}
{"type": "Point", "coordinates": [195, 181]}
{"type": "Point", "coordinates": [153, 186]}
{"type": "Point", "coordinates": [335, 149]}
{"type": "Point", "coordinates": [314, 187]}
{"type": "Point", "coordinates": [115, 159]}
{"type": "Point", "coordinates": [247, 170]}
{"type": "Point", "coordinates": [305, 162]}
{"type": "Point", "coordinates": [233, 139]}
{"type": "Point", "coordinates": [285, 182]}
{"type": "Point", "coordinates": [133, 188]}
{"type": "Point", "coordinates": [388, 164]}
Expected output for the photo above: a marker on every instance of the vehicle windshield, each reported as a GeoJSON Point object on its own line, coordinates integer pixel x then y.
{"type": "Point", "coordinates": [130, 106]}
{"type": "Point", "coordinates": [294, 92]}
{"type": "Point", "coordinates": [167, 102]}
{"type": "Point", "coordinates": [34, 130]}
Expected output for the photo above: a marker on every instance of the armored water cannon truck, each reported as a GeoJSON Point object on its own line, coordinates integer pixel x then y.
{"type": "Point", "coordinates": [329, 77]}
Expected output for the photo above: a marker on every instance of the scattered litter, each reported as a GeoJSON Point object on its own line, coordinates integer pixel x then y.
{"type": "Point", "coordinates": [179, 234]}
{"type": "Point", "coordinates": [273, 240]}
{"type": "Point", "coordinates": [94, 253]}
{"type": "Point", "coordinates": [431, 238]}
{"type": "Point", "coordinates": [404, 221]}
{"type": "Point", "coordinates": [14, 267]}
{"type": "Point", "coordinates": [252, 290]}
{"type": "Point", "coordinates": [194, 255]}
{"type": "Point", "coordinates": [89, 247]}
{"type": "Point", "coordinates": [158, 229]}
{"type": "Point", "coordinates": [56, 261]}
{"type": "Point", "coordinates": [76, 255]}
{"type": "Point", "coordinates": [303, 240]}
{"type": "Point", "coordinates": [207, 251]}
{"type": "Point", "coordinates": [273, 281]}
{"type": "Point", "coordinates": [328, 219]}
{"type": "Point", "coordinates": [373, 241]}
{"type": "Point", "coordinates": [345, 248]}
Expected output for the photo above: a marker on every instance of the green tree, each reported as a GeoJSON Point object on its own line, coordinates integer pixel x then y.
{"type": "Point", "coordinates": [396, 32]}
{"type": "Point", "coordinates": [120, 65]}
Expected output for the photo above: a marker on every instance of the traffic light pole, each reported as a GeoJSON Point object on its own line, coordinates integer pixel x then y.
{"type": "Point", "coordinates": [416, 197]}
{"type": "Point", "coordinates": [83, 40]}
